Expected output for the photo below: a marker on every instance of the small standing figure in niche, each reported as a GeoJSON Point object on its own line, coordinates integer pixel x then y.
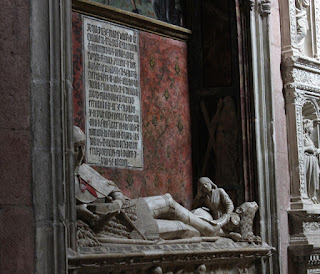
{"type": "Point", "coordinates": [302, 22]}
{"type": "Point", "coordinates": [311, 161]}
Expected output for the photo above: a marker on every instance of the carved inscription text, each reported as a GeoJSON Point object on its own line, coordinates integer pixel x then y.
{"type": "Point", "coordinates": [112, 89]}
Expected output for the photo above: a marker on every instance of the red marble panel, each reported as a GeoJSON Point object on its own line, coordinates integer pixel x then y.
{"type": "Point", "coordinates": [78, 92]}
{"type": "Point", "coordinates": [166, 123]}
{"type": "Point", "coordinates": [165, 119]}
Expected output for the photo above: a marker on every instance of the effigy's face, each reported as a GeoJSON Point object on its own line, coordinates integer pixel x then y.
{"type": "Point", "coordinates": [79, 152]}
{"type": "Point", "coordinates": [207, 185]}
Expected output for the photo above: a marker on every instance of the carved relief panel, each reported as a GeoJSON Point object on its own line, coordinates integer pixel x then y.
{"type": "Point", "coordinates": [305, 26]}
{"type": "Point", "coordinates": [302, 82]}
{"type": "Point", "coordinates": [310, 147]}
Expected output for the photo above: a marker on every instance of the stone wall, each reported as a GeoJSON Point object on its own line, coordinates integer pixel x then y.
{"type": "Point", "coordinates": [16, 212]}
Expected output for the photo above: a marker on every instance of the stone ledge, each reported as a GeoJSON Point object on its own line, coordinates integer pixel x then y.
{"type": "Point", "coordinates": [223, 253]}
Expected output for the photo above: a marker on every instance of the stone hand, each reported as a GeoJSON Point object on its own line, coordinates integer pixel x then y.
{"type": "Point", "coordinates": [115, 206]}
{"type": "Point", "coordinates": [85, 214]}
{"type": "Point", "coordinates": [213, 222]}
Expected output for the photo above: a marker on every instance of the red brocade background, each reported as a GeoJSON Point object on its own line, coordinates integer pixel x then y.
{"type": "Point", "coordinates": [166, 132]}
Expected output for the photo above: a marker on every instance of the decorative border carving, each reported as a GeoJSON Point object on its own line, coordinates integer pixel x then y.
{"type": "Point", "coordinates": [307, 63]}
{"type": "Point", "coordinates": [307, 80]}
{"type": "Point", "coordinates": [299, 103]}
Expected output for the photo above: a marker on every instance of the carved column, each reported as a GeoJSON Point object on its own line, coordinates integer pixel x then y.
{"type": "Point", "coordinates": [52, 158]}
{"type": "Point", "coordinates": [264, 126]}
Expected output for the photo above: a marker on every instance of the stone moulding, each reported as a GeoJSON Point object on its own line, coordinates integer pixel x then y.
{"type": "Point", "coordinates": [117, 257]}
{"type": "Point", "coordinates": [265, 147]}
{"type": "Point", "coordinates": [306, 258]}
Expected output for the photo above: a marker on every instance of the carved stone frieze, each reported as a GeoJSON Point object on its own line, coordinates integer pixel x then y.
{"type": "Point", "coordinates": [169, 256]}
{"type": "Point", "coordinates": [311, 226]}
{"type": "Point", "coordinates": [306, 63]}
{"type": "Point", "coordinates": [314, 270]}
{"type": "Point", "coordinates": [301, 72]}
{"type": "Point", "coordinates": [307, 80]}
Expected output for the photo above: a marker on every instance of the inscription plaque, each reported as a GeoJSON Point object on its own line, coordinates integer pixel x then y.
{"type": "Point", "coordinates": [112, 92]}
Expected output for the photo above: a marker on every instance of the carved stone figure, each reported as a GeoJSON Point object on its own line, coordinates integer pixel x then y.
{"type": "Point", "coordinates": [302, 21]}
{"type": "Point", "coordinates": [311, 162]}
{"type": "Point", "coordinates": [212, 204]}
{"type": "Point", "coordinates": [171, 219]}
{"type": "Point", "coordinates": [246, 213]}
{"type": "Point", "coordinates": [104, 212]}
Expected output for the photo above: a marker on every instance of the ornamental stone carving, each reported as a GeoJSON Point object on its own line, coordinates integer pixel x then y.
{"type": "Point", "coordinates": [302, 22]}
{"type": "Point", "coordinates": [311, 162]}
{"type": "Point", "coordinates": [304, 25]}
{"type": "Point", "coordinates": [307, 80]}
{"type": "Point", "coordinates": [311, 226]}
